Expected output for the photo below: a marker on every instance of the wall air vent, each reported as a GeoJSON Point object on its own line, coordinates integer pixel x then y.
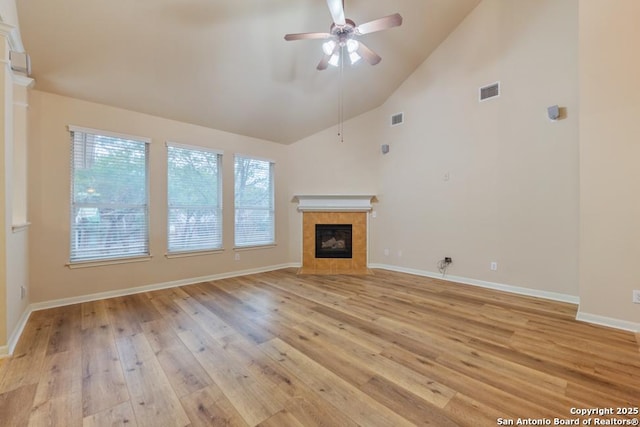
{"type": "Point", "coordinates": [490, 91]}
{"type": "Point", "coordinates": [397, 119]}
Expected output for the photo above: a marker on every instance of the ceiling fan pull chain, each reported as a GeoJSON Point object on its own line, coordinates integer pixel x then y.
{"type": "Point", "coordinates": [341, 106]}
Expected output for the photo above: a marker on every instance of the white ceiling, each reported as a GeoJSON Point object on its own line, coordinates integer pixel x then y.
{"type": "Point", "coordinates": [225, 64]}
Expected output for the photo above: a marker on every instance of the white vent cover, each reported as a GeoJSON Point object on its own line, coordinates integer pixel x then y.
{"type": "Point", "coordinates": [397, 119]}
{"type": "Point", "coordinates": [490, 91]}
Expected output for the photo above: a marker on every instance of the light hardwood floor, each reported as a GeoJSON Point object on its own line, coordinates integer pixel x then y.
{"type": "Point", "coordinates": [277, 349]}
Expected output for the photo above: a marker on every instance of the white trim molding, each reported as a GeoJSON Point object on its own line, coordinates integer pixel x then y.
{"type": "Point", "coordinates": [193, 147]}
{"type": "Point", "coordinates": [12, 35]}
{"type": "Point", "coordinates": [23, 226]}
{"type": "Point", "coordinates": [334, 203]}
{"type": "Point", "coordinates": [608, 321]}
{"type": "Point", "coordinates": [554, 296]}
{"type": "Point", "coordinates": [7, 350]}
{"type": "Point", "coordinates": [153, 287]}
{"type": "Point", "coordinates": [24, 81]}
{"type": "Point", "coordinates": [73, 128]}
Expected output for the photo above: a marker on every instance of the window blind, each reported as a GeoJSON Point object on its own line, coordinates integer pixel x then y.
{"type": "Point", "coordinates": [254, 202]}
{"type": "Point", "coordinates": [195, 199]}
{"type": "Point", "coordinates": [109, 196]}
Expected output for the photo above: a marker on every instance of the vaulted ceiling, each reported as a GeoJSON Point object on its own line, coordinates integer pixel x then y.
{"type": "Point", "coordinates": [225, 64]}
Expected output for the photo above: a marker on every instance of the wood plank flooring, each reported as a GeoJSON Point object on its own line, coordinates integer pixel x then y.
{"type": "Point", "coordinates": [277, 349]}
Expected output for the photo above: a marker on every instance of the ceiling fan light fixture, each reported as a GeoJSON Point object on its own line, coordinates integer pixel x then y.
{"type": "Point", "coordinates": [334, 60]}
{"type": "Point", "coordinates": [352, 45]}
{"type": "Point", "coordinates": [354, 57]}
{"type": "Point", "coordinates": [329, 46]}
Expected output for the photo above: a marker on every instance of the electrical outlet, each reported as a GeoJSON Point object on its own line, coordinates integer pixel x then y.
{"type": "Point", "coordinates": [494, 266]}
{"type": "Point", "coordinates": [386, 251]}
{"type": "Point", "coordinates": [636, 296]}
{"type": "Point", "coordinates": [400, 254]}
{"type": "Point", "coordinates": [23, 292]}
{"type": "Point", "coordinates": [236, 256]}
{"type": "Point", "coordinates": [448, 260]}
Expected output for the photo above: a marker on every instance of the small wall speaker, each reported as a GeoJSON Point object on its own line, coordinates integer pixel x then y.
{"type": "Point", "coordinates": [553, 112]}
{"type": "Point", "coordinates": [384, 148]}
{"type": "Point", "coordinates": [20, 62]}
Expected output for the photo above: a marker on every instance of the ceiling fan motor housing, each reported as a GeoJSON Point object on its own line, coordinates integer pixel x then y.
{"type": "Point", "coordinates": [343, 32]}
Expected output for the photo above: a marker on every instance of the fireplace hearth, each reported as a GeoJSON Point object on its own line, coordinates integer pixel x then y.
{"type": "Point", "coordinates": [334, 241]}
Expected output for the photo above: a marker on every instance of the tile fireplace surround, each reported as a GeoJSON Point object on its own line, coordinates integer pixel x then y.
{"type": "Point", "coordinates": [334, 210]}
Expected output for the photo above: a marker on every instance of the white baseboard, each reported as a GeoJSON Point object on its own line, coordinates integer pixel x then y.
{"type": "Point", "coordinates": [483, 284]}
{"type": "Point", "coordinates": [608, 321]}
{"type": "Point", "coordinates": [7, 350]}
{"type": "Point", "coordinates": [581, 316]}
{"type": "Point", "coordinates": [157, 286]}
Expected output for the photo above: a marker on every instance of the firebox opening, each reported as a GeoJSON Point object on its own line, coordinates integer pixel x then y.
{"type": "Point", "coordinates": [333, 241]}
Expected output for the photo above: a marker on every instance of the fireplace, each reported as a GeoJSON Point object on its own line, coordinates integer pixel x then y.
{"type": "Point", "coordinates": [334, 234]}
{"type": "Point", "coordinates": [334, 241]}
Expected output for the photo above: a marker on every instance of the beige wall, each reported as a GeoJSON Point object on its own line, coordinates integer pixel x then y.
{"type": "Point", "coordinates": [323, 164]}
{"type": "Point", "coordinates": [512, 192]}
{"type": "Point", "coordinates": [512, 189]}
{"type": "Point", "coordinates": [49, 187]}
{"type": "Point", "coordinates": [609, 158]}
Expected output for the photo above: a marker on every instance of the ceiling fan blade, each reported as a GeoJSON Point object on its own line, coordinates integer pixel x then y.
{"type": "Point", "coordinates": [337, 11]}
{"type": "Point", "coordinates": [390, 21]}
{"type": "Point", "coordinates": [324, 63]}
{"type": "Point", "coordinates": [305, 36]}
{"type": "Point", "coordinates": [370, 56]}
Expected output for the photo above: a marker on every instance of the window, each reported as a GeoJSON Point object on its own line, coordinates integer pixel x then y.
{"type": "Point", "coordinates": [109, 208]}
{"type": "Point", "coordinates": [254, 202]}
{"type": "Point", "coordinates": [195, 199]}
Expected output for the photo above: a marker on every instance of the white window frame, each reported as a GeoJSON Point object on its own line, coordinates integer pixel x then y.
{"type": "Point", "coordinates": [78, 260]}
{"type": "Point", "coordinates": [270, 208]}
{"type": "Point", "coordinates": [219, 207]}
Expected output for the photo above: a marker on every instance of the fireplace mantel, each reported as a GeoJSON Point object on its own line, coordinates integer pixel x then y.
{"type": "Point", "coordinates": [334, 203]}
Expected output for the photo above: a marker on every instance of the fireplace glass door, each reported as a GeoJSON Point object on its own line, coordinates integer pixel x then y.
{"type": "Point", "coordinates": [333, 241]}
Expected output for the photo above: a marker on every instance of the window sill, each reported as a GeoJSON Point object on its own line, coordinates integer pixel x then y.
{"type": "Point", "coordinates": [186, 254]}
{"type": "Point", "coordinates": [251, 248]}
{"type": "Point", "coordinates": [87, 264]}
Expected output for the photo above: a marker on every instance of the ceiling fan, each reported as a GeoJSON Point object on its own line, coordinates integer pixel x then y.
{"type": "Point", "coordinates": [344, 33]}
